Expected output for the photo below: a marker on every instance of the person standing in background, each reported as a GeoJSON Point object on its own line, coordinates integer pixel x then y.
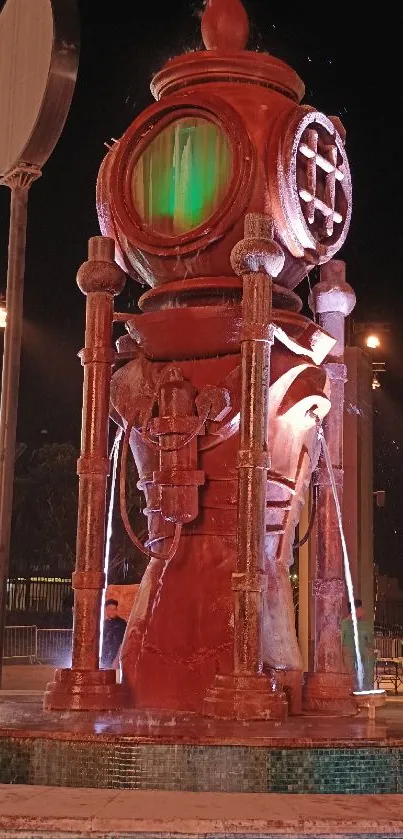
{"type": "Point", "coordinates": [113, 632]}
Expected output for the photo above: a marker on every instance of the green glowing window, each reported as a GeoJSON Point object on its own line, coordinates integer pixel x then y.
{"type": "Point", "coordinates": [183, 176]}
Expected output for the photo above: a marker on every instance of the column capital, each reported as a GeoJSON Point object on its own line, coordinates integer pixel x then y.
{"type": "Point", "coordinates": [21, 176]}
{"type": "Point", "coordinates": [101, 273]}
{"type": "Point", "coordinates": [258, 253]}
{"type": "Point", "coordinates": [332, 293]}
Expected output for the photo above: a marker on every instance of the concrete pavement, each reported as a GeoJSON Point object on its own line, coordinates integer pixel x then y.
{"type": "Point", "coordinates": [29, 811]}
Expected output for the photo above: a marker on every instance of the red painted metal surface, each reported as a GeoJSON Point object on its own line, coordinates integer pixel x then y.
{"type": "Point", "coordinates": [223, 430]}
{"type": "Point", "coordinates": [181, 631]}
{"type": "Point", "coordinates": [84, 686]}
{"type": "Point", "coordinates": [288, 160]}
{"type": "Point", "coordinates": [328, 688]}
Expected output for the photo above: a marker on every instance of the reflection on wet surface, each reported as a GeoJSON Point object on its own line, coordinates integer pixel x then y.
{"type": "Point", "coordinates": [24, 716]}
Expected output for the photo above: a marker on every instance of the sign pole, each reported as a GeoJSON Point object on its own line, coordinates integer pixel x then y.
{"type": "Point", "coordinates": [19, 182]}
{"type": "Point", "coordinates": [39, 48]}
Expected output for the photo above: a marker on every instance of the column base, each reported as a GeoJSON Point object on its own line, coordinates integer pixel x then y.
{"type": "Point", "coordinates": [249, 697]}
{"type": "Point", "coordinates": [329, 693]}
{"type": "Point", "coordinates": [85, 690]}
{"type": "Point", "coordinates": [290, 682]}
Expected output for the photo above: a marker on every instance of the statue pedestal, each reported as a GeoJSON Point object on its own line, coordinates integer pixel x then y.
{"type": "Point", "coordinates": [85, 690]}
{"type": "Point", "coordinates": [329, 693]}
{"type": "Point", "coordinates": [248, 697]}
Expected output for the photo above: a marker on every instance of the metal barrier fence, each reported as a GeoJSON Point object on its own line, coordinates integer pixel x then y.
{"type": "Point", "coordinates": [37, 600]}
{"type": "Point", "coordinates": [45, 646]}
{"type": "Point", "coordinates": [54, 646]}
{"type": "Point", "coordinates": [388, 647]}
{"type": "Point", "coordinates": [20, 642]}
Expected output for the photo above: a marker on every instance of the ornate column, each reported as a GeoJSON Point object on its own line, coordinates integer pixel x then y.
{"type": "Point", "coordinates": [247, 693]}
{"type": "Point", "coordinates": [328, 689]}
{"type": "Point", "coordinates": [19, 181]}
{"type": "Point", "coordinates": [85, 686]}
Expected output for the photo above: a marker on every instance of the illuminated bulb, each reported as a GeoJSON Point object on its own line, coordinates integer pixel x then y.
{"type": "Point", "coordinates": [375, 383]}
{"type": "Point", "coordinates": [3, 317]}
{"type": "Point", "coordinates": [372, 342]}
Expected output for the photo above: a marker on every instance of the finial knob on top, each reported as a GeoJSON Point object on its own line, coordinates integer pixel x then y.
{"type": "Point", "coordinates": [224, 25]}
{"type": "Point", "coordinates": [257, 252]}
{"type": "Point", "coordinates": [332, 293]}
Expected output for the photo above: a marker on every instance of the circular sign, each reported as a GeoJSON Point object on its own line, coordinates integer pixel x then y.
{"type": "Point", "coordinates": [39, 47]}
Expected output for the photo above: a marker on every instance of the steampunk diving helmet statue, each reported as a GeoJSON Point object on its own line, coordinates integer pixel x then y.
{"type": "Point", "coordinates": [221, 197]}
{"type": "Point", "coordinates": [227, 138]}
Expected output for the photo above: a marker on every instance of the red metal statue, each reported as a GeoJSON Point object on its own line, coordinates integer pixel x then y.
{"type": "Point", "coordinates": [221, 197]}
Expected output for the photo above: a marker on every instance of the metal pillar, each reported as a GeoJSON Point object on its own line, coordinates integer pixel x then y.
{"type": "Point", "coordinates": [248, 693]}
{"type": "Point", "coordinates": [329, 689]}
{"type": "Point", "coordinates": [19, 181]}
{"type": "Point", "coordinates": [85, 686]}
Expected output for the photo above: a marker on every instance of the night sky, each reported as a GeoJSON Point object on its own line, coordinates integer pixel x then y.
{"type": "Point", "coordinates": [350, 68]}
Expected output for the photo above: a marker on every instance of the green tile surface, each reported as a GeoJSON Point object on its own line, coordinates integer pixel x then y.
{"type": "Point", "coordinates": [126, 765]}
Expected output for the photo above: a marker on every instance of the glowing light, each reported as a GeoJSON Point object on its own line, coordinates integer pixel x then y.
{"type": "Point", "coordinates": [183, 176]}
{"type": "Point", "coordinates": [3, 317]}
{"type": "Point", "coordinates": [373, 342]}
{"type": "Point", "coordinates": [375, 382]}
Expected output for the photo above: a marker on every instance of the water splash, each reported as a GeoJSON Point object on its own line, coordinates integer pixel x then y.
{"type": "Point", "coordinates": [347, 572]}
{"type": "Point", "coordinates": [374, 692]}
{"type": "Point", "coordinates": [114, 457]}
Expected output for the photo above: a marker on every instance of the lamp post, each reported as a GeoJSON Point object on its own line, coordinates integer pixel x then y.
{"type": "Point", "coordinates": [372, 336]}
{"type": "Point", "coordinates": [19, 182]}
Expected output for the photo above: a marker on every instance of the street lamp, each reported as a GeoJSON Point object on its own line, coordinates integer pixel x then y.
{"type": "Point", "coordinates": [370, 336]}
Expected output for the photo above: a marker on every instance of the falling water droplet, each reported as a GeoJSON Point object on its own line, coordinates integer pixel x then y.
{"type": "Point", "coordinates": [114, 457]}
{"type": "Point", "coordinates": [347, 572]}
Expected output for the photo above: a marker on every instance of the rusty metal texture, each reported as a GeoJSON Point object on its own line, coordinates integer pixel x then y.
{"type": "Point", "coordinates": [213, 628]}
{"type": "Point", "coordinates": [84, 685]}
{"type": "Point", "coordinates": [329, 688]}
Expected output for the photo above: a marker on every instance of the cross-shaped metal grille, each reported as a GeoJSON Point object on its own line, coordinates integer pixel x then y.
{"type": "Point", "coordinates": [321, 167]}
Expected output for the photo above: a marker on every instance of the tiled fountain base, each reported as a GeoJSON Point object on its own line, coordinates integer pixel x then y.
{"type": "Point", "coordinates": [140, 751]}
{"type": "Point", "coordinates": [200, 768]}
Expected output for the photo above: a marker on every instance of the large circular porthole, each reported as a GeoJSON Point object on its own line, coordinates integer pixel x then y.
{"type": "Point", "coordinates": [182, 177]}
